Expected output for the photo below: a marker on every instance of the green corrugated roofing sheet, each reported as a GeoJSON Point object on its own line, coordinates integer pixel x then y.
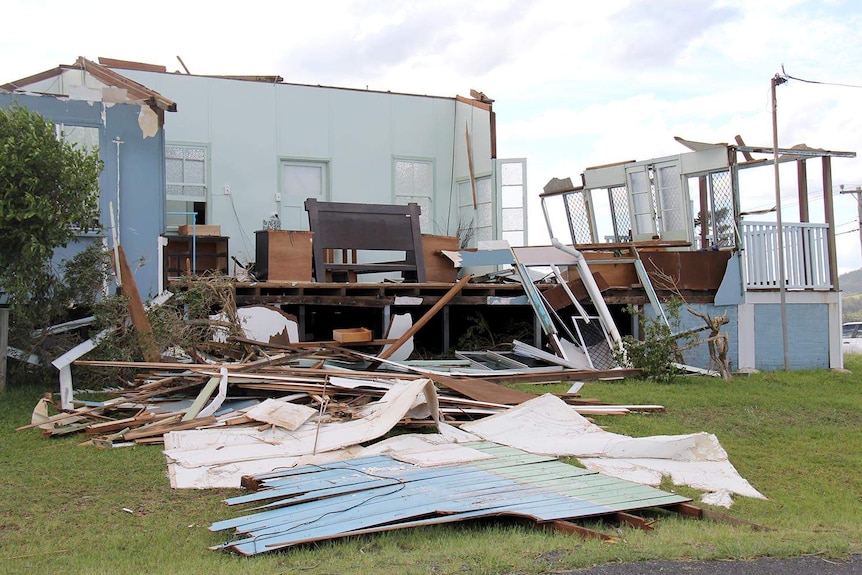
{"type": "Point", "coordinates": [379, 493]}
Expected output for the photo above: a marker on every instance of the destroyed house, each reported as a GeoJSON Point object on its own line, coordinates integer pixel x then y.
{"type": "Point", "coordinates": [681, 218]}
{"type": "Point", "coordinates": [96, 108]}
{"type": "Point", "coordinates": [244, 153]}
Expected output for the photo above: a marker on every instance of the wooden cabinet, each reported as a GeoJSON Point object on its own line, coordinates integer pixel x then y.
{"type": "Point", "coordinates": [200, 254]}
{"type": "Point", "coordinates": [439, 268]}
{"type": "Point", "coordinates": [283, 255]}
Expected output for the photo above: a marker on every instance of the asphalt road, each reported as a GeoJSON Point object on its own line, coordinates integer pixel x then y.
{"type": "Point", "coordinates": [799, 566]}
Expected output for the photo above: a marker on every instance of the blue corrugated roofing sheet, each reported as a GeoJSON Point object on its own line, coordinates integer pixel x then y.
{"type": "Point", "coordinates": [378, 493]}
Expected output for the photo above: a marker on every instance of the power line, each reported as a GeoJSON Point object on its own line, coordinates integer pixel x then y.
{"type": "Point", "coordinates": [788, 76]}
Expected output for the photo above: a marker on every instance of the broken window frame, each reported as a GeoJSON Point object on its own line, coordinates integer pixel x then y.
{"type": "Point", "coordinates": [716, 199]}
{"type": "Point", "coordinates": [659, 201]}
{"type": "Point", "coordinates": [83, 137]}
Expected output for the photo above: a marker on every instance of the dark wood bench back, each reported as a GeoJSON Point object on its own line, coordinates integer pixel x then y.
{"type": "Point", "coordinates": [381, 227]}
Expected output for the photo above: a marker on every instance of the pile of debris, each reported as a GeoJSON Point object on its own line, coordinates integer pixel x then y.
{"type": "Point", "coordinates": [326, 383]}
{"type": "Point", "coordinates": [326, 430]}
{"type": "Point", "coordinates": [335, 442]}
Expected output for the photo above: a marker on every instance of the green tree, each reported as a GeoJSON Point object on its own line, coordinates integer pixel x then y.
{"type": "Point", "coordinates": [49, 191]}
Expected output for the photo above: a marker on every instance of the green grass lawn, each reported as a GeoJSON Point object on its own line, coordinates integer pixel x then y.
{"type": "Point", "coordinates": [795, 436]}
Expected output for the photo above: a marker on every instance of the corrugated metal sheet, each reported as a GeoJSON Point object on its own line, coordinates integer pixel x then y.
{"type": "Point", "coordinates": [378, 493]}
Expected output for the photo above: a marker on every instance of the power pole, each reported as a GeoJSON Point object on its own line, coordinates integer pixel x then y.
{"type": "Point", "coordinates": [777, 81]}
{"type": "Point", "coordinates": [858, 193]}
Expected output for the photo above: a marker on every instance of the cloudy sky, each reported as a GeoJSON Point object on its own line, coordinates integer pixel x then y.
{"type": "Point", "coordinates": [575, 84]}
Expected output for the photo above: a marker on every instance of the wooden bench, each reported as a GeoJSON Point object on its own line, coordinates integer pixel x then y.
{"type": "Point", "coordinates": [365, 227]}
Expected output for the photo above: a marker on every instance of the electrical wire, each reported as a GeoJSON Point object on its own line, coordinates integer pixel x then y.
{"type": "Point", "coordinates": [841, 85]}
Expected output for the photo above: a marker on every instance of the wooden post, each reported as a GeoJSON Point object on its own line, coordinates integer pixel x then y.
{"type": "Point", "coordinates": [427, 317]}
{"type": "Point", "coordinates": [705, 220]}
{"type": "Point", "coordinates": [4, 344]}
{"type": "Point", "coordinates": [804, 217]}
{"type": "Point", "coordinates": [143, 330]}
{"type": "Point", "coordinates": [829, 211]}
{"type": "Point", "coordinates": [802, 186]}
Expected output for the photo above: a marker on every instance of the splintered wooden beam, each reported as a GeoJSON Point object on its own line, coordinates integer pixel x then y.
{"type": "Point", "coordinates": [470, 166]}
{"type": "Point", "coordinates": [696, 512]}
{"type": "Point", "coordinates": [427, 317]}
{"type": "Point", "coordinates": [630, 520]}
{"type": "Point", "coordinates": [745, 154]}
{"type": "Point", "coordinates": [570, 528]}
{"type": "Point", "coordinates": [143, 329]}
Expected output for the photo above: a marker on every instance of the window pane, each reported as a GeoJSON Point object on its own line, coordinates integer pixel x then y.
{"type": "Point", "coordinates": [304, 181]}
{"type": "Point", "coordinates": [193, 172]}
{"type": "Point", "coordinates": [186, 173]}
{"type": "Point", "coordinates": [195, 191]}
{"type": "Point", "coordinates": [486, 218]}
{"type": "Point", "coordinates": [483, 190]}
{"type": "Point", "coordinates": [84, 138]}
{"type": "Point", "coordinates": [174, 170]}
{"type": "Point", "coordinates": [515, 238]}
{"type": "Point", "coordinates": [403, 179]}
{"type": "Point", "coordinates": [513, 174]}
{"type": "Point", "coordinates": [198, 154]}
{"type": "Point", "coordinates": [414, 182]}
{"type": "Point", "coordinates": [513, 196]}
{"type": "Point", "coordinates": [513, 219]}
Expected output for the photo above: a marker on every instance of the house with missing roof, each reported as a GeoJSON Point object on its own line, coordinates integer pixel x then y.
{"type": "Point", "coordinates": [246, 149]}
{"type": "Point", "coordinates": [243, 152]}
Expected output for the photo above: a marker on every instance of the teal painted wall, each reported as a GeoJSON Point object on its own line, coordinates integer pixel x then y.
{"type": "Point", "coordinates": [249, 127]}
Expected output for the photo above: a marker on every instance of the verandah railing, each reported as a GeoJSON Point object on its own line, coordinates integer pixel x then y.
{"type": "Point", "coordinates": [806, 256]}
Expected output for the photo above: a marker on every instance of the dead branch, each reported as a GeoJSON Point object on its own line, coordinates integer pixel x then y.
{"type": "Point", "coordinates": [716, 342]}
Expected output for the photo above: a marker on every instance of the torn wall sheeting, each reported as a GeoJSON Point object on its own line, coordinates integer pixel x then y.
{"type": "Point", "coordinates": [377, 493]}
{"type": "Point", "coordinates": [261, 323]}
{"type": "Point", "coordinates": [219, 449]}
{"type": "Point", "coordinates": [547, 425]}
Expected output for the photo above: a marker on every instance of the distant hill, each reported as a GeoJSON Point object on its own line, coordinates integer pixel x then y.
{"type": "Point", "coordinates": [851, 282]}
{"type": "Point", "coordinates": [851, 298]}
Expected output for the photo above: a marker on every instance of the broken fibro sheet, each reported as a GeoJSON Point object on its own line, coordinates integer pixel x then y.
{"type": "Point", "coordinates": [220, 456]}
{"type": "Point", "coordinates": [546, 425]}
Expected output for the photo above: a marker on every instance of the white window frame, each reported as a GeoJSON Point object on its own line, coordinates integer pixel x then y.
{"type": "Point", "coordinates": [172, 217]}
{"type": "Point", "coordinates": [403, 196]}
{"type": "Point", "coordinates": [512, 195]}
{"type": "Point", "coordinates": [204, 185]}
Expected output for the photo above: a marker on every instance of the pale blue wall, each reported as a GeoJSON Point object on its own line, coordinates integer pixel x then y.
{"type": "Point", "coordinates": [699, 355]}
{"type": "Point", "coordinates": [807, 330]}
{"type": "Point", "coordinates": [807, 336]}
{"type": "Point", "coordinates": [142, 180]}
